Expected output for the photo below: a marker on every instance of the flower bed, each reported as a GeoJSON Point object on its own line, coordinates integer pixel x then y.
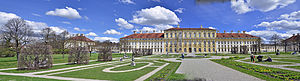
{"type": "Point", "coordinates": [266, 71]}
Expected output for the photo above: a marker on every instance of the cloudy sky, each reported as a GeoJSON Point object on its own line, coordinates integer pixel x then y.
{"type": "Point", "coordinates": [113, 19]}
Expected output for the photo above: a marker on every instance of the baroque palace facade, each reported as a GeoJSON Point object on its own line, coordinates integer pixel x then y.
{"type": "Point", "coordinates": [192, 40]}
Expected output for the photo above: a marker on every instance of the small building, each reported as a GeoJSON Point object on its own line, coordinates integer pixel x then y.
{"type": "Point", "coordinates": [292, 43]}
{"type": "Point", "coordinates": [271, 47]}
{"type": "Point", "coordinates": [80, 41]}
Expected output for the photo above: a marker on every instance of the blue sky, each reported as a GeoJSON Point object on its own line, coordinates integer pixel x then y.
{"type": "Point", "coordinates": [113, 19]}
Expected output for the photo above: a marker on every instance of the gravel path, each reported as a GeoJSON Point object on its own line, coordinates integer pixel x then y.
{"type": "Point", "coordinates": [211, 71]}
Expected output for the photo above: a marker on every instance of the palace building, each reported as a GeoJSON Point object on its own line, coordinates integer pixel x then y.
{"type": "Point", "coordinates": [192, 40]}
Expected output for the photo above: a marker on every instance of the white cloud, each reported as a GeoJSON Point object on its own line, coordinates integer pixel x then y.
{"type": "Point", "coordinates": [155, 16]}
{"type": "Point", "coordinates": [179, 10]}
{"type": "Point", "coordinates": [65, 22]}
{"type": "Point", "coordinates": [112, 31]}
{"type": "Point", "coordinates": [91, 34]}
{"type": "Point", "coordinates": [240, 6]}
{"type": "Point", "coordinates": [106, 38]}
{"type": "Point", "coordinates": [127, 1]}
{"type": "Point", "coordinates": [292, 16]}
{"type": "Point", "coordinates": [148, 29]}
{"type": "Point", "coordinates": [162, 27]}
{"type": "Point", "coordinates": [281, 25]}
{"type": "Point", "coordinates": [211, 27]}
{"type": "Point", "coordinates": [156, 0]}
{"type": "Point", "coordinates": [244, 6]}
{"type": "Point", "coordinates": [78, 29]}
{"type": "Point", "coordinates": [267, 34]}
{"type": "Point", "coordinates": [79, 8]}
{"type": "Point", "coordinates": [67, 12]}
{"type": "Point", "coordinates": [36, 14]}
{"type": "Point", "coordinates": [4, 17]}
{"type": "Point", "coordinates": [86, 17]}
{"type": "Point", "coordinates": [36, 26]}
{"type": "Point", "coordinates": [123, 23]}
{"type": "Point", "coordinates": [125, 35]}
{"type": "Point", "coordinates": [57, 29]}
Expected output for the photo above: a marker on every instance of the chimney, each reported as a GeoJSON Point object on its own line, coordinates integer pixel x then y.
{"type": "Point", "coordinates": [201, 26]}
{"type": "Point", "coordinates": [134, 32]}
{"type": "Point", "coordinates": [239, 31]}
{"type": "Point", "coordinates": [231, 31]}
{"type": "Point", "coordinates": [297, 33]}
{"type": "Point", "coordinates": [178, 26]}
{"type": "Point", "coordinates": [244, 32]}
{"type": "Point", "coordinates": [218, 31]}
{"type": "Point", "coordinates": [147, 31]}
{"type": "Point", "coordinates": [153, 31]}
{"type": "Point", "coordinates": [224, 31]}
{"type": "Point", "coordinates": [293, 34]}
{"type": "Point", "coordinates": [81, 34]}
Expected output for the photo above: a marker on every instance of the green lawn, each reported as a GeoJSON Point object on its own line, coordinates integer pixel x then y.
{"type": "Point", "coordinates": [167, 73]}
{"type": "Point", "coordinates": [166, 56]}
{"type": "Point", "coordinates": [262, 72]}
{"type": "Point", "coordinates": [22, 78]}
{"type": "Point", "coordinates": [54, 67]}
{"type": "Point", "coordinates": [289, 60]}
{"type": "Point", "coordinates": [128, 67]}
{"type": "Point", "coordinates": [268, 63]}
{"type": "Point", "coordinates": [97, 73]}
{"type": "Point", "coordinates": [11, 62]}
{"type": "Point", "coordinates": [115, 55]}
{"type": "Point", "coordinates": [295, 67]}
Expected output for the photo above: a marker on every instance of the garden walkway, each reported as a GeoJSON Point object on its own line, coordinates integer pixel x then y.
{"type": "Point", "coordinates": [274, 66]}
{"type": "Point", "coordinates": [211, 71]}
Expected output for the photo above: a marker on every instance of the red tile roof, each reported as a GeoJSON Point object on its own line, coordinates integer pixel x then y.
{"type": "Point", "coordinates": [145, 35]}
{"type": "Point", "coordinates": [81, 38]}
{"type": "Point", "coordinates": [190, 29]}
{"type": "Point", "coordinates": [293, 38]}
{"type": "Point", "coordinates": [235, 35]}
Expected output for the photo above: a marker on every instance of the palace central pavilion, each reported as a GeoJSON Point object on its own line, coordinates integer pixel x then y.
{"type": "Point", "coordinates": [192, 40]}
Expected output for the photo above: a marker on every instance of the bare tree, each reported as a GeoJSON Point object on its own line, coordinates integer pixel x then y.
{"type": "Point", "coordinates": [46, 33]}
{"type": "Point", "coordinates": [64, 36]}
{"type": "Point", "coordinates": [19, 32]}
{"type": "Point", "coordinates": [105, 53]}
{"type": "Point", "coordinates": [275, 39]}
{"type": "Point", "coordinates": [35, 57]}
{"type": "Point", "coordinates": [78, 55]}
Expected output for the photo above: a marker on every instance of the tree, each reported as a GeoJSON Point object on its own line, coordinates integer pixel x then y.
{"type": "Point", "coordinates": [64, 36]}
{"type": "Point", "coordinates": [19, 32]}
{"type": "Point", "coordinates": [46, 33]}
{"type": "Point", "coordinates": [275, 39]}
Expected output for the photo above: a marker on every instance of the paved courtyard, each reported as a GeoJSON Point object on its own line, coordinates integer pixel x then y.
{"type": "Point", "coordinates": [211, 71]}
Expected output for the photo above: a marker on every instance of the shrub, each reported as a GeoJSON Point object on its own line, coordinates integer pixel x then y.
{"type": "Point", "coordinates": [7, 52]}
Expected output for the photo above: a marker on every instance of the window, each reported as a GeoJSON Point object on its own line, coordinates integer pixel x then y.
{"type": "Point", "coordinates": [190, 35]}
{"type": "Point", "coordinates": [171, 35]}
{"type": "Point", "coordinates": [213, 34]}
{"type": "Point", "coordinates": [199, 34]}
{"type": "Point", "coordinates": [204, 34]}
{"type": "Point", "coordinates": [175, 35]}
{"type": "Point", "coordinates": [167, 35]}
{"type": "Point", "coordinates": [199, 50]}
{"type": "Point", "coordinates": [195, 34]}
{"type": "Point", "coordinates": [208, 34]}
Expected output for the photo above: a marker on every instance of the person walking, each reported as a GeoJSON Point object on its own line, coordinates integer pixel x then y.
{"type": "Point", "coordinates": [182, 55]}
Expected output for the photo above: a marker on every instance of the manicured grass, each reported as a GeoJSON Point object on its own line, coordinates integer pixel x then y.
{"type": "Point", "coordinates": [289, 60]}
{"type": "Point", "coordinates": [128, 67]}
{"type": "Point", "coordinates": [167, 73]}
{"type": "Point", "coordinates": [11, 62]}
{"type": "Point", "coordinates": [268, 63]}
{"type": "Point", "coordinates": [262, 72]}
{"type": "Point", "coordinates": [22, 78]}
{"type": "Point", "coordinates": [97, 73]}
{"type": "Point", "coordinates": [53, 67]}
{"type": "Point", "coordinates": [295, 67]}
{"type": "Point", "coordinates": [166, 56]}
{"type": "Point", "coordinates": [115, 55]}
